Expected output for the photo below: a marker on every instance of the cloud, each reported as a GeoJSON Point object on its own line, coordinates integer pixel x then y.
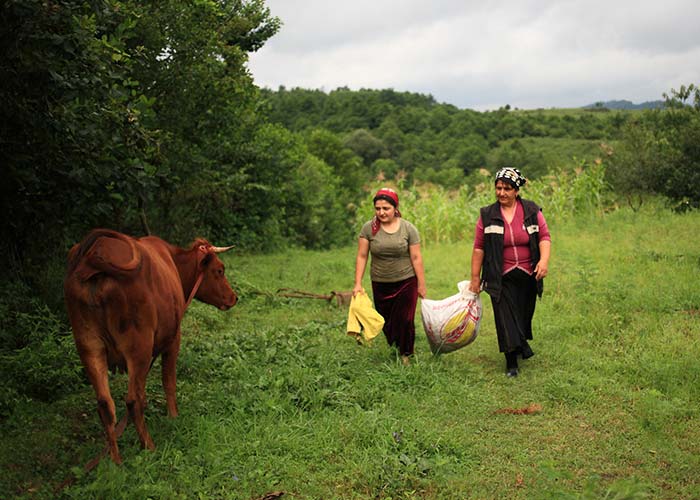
{"type": "Point", "coordinates": [533, 53]}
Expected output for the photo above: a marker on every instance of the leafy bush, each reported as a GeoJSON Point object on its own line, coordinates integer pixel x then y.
{"type": "Point", "coordinates": [660, 153]}
{"type": "Point", "coordinates": [37, 354]}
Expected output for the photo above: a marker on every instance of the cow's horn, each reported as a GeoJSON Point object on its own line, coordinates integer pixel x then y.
{"type": "Point", "coordinates": [221, 249]}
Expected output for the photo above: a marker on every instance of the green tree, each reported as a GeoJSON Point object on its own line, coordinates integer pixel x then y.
{"type": "Point", "coordinates": [471, 153]}
{"type": "Point", "coordinates": [681, 173]}
{"type": "Point", "coordinates": [633, 170]}
{"type": "Point", "coordinates": [76, 147]}
{"type": "Point", "coordinates": [512, 154]}
{"type": "Point", "coordinates": [115, 109]}
{"type": "Point", "coordinates": [660, 152]}
{"type": "Point", "coordinates": [391, 135]}
{"type": "Point", "coordinates": [346, 165]}
{"type": "Point", "coordinates": [365, 145]}
{"type": "Point", "coordinates": [448, 176]}
{"type": "Point", "coordinates": [206, 105]}
{"type": "Point", "coordinates": [411, 120]}
{"type": "Point", "coordinates": [385, 168]}
{"type": "Point", "coordinates": [440, 118]}
{"type": "Point", "coordinates": [317, 217]}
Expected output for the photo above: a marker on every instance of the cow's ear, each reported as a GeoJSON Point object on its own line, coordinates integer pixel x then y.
{"type": "Point", "coordinates": [206, 259]}
{"type": "Point", "coordinates": [204, 255]}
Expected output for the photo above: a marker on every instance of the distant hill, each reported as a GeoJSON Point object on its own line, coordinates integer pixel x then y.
{"type": "Point", "coordinates": [623, 104]}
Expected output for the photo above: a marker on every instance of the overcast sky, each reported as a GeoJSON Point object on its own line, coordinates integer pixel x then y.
{"type": "Point", "coordinates": [486, 54]}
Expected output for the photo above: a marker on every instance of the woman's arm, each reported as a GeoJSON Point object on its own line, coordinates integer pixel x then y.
{"type": "Point", "coordinates": [417, 263]}
{"type": "Point", "coordinates": [477, 262]}
{"type": "Point", "coordinates": [542, 266]}
{"type": "Point", "coordinates": [360, 264]}
{"type": "Point", "coordinates": [477, 257]}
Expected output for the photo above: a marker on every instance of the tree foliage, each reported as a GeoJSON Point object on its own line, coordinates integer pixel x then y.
{"type": "Point", "coordinates": [133, 116]}
{"type": "Point", "coordinates": [75, 149]}
{"type": "Point", "coordinates": [660, 152]}
{"type": "Point", "coordinates": [433, 142]}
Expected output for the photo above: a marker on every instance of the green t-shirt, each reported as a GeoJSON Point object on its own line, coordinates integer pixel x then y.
{"type": "Point", "coordinates": [391, 260]}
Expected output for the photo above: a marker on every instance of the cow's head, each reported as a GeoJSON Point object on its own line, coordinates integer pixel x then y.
{"type": "Point", "coordinates": [215, 288]}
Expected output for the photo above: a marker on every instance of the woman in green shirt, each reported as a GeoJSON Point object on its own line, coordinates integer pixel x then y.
{"type": "Point", "coordinates": [396, 270]}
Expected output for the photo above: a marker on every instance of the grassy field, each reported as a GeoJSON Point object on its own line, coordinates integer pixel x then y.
{"type": "Point", "coordinates": [275, 398]}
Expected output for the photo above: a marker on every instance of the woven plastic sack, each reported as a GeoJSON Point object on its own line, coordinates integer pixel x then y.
{"type": "Point", "coordinates": [452, 323]}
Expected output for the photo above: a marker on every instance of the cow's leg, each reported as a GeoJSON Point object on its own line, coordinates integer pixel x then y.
{"type": "Point", "coordinates": [95, 364]}
{"type": "Point", "coordinates": [138, 367]}
{"type": "Point", "coordinates": [169, 362]}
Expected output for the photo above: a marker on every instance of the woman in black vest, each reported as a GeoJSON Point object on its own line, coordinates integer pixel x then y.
{"type": "Point", "coordinates": [509, 260]}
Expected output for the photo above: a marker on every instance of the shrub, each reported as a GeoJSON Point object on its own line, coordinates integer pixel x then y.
{"type": "Point", "coordinates": [37, 355]}
{"type": "Point", "coordinates": [659, 152]}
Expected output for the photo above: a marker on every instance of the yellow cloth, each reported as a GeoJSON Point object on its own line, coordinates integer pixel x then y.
{"type": "Point", "coordinates": [363, 318]}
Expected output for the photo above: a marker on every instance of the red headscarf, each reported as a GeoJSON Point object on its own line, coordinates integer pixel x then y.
{"type": "Point", "coordinates": [392, 197]}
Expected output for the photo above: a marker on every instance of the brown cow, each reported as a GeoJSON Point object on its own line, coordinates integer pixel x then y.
{"type": "Point", "coordinates": [126, 298]}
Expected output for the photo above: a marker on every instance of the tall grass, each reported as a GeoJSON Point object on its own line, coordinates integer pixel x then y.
{"type": "Point", "coordinates": [274, 396]}
{"type": "Point", "coordinates": [448, 216]}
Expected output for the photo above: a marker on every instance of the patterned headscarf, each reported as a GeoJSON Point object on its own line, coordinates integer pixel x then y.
{"type": "Point", "coordinates": [390, 196]}
{"type": "Point", "coordinates": [512, 176]}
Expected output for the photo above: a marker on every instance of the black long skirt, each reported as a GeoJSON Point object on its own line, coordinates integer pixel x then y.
{"type": "Point", "coordinates": [396, 302]}
{"type": "Point", "coordinates": [514, 311]}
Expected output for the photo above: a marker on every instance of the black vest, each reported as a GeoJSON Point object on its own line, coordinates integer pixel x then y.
{"type": "Point", "coordinates": [494, 229]}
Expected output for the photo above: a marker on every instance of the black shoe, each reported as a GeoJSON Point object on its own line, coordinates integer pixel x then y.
{"type": "Point", "coordinates": [512, 372]}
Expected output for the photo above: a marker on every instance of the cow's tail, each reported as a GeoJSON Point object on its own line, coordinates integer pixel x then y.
{"type": "Point", "coordinates": [104, 251]}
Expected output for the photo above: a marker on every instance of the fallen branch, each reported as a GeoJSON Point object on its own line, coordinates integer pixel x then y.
{"type": "Point", "coordinates": [341, 298]}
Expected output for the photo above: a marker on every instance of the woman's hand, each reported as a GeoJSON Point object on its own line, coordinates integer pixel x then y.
{"type": "Point", "coordinates": [477, 262]}
{"type": "Point", "coordinates": [422, 291]}
{"type": "Point", "coordinates": [357, 289]}
{"type": "Point", "coordinates": [541, 270]}
{"type": "Point", "coordinates": [542, 266]}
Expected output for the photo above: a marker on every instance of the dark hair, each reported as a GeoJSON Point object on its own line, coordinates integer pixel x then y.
{"type": "Point", "coordinates": [385, 198]}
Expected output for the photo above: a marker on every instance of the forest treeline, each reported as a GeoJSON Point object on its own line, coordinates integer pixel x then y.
{"type": "Point", "coordinates": [143, 117]}
{"type": "Point", "coordinates": [413, 136]}
{"type": "Point", "coordinates": [408, 137]}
